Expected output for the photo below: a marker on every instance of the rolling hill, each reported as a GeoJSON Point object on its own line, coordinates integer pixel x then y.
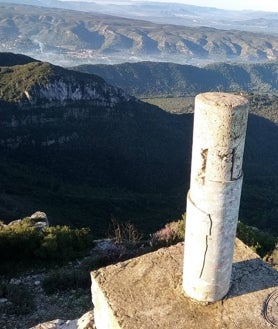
{"type": "Point", "coordinates": [170, 13]}
{"type": "Point", "coordinates": [169, 79]}
{"type": "Point", "coordinates": [68, 36]}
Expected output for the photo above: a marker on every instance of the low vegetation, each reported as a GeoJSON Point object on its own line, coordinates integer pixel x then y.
{"type": "Point", "coordinates": [67, 284]}
{"type": "Point", "coordinates": [66, 279]}
{"type": "Point", "coordinates": [21, 299]}
{"type": "Point", "coordinates": [171, 233]}
{"type": "Point", "coordinates": [124, 233]}
{"type": "Point", "coordinates": [262, 243]}
{"type": "Point", "coordinates": [25, 243]}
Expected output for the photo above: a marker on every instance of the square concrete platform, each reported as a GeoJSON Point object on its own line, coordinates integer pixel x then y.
{"type": "Point", "coordinates": [146, 293]}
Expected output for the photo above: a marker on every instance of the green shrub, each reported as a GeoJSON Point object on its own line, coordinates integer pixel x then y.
{"type": "Point", "coordinates": [272, 257]}
{"type": "Point", "coordinates": [19, 241]}
{"type": "Point", "coordinates": [261, 242]}
{"type": "Point", "coordinates": [24, 241]}
{"type": "Point", "coordinates": [62, 242]}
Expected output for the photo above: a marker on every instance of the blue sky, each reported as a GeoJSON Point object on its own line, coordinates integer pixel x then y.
{"type": "Point", "coordinates": [265, 5]}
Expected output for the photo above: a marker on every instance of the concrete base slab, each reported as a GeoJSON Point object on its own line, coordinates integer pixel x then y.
{"type": "Point", "coordinates": [146, 292]}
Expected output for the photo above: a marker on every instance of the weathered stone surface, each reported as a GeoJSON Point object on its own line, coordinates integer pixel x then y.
{"type": "Point", "coordinates": [39, 216]}
{"type": "Point", "coordinates": [40, 219]}
{"type": "Point", "coordinates": [146, 292]}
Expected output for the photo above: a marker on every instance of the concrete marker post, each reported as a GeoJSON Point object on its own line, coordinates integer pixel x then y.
{"type": "Point", "coordinates": [220, 122]}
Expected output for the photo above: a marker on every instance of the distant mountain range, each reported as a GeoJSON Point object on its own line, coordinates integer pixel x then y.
{"type": "Point", "coordinates": [153, 79]}
{"type": "Point", "coordinates": [66, 36]}
{"type": "Point", "coordinates": [170, 13]}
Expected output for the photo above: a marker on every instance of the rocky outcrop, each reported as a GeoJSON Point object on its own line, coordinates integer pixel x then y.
{"type": "Point", "coordinates": [64, 91]}
{"type": "Point", "coordinates": [85, 322]}
{"type": "Point", "coordinates": [42, 85]}
{"type": "Point", "coordinates": [39, 219]}
{"type": "Point", "coordinates": [38, 97]}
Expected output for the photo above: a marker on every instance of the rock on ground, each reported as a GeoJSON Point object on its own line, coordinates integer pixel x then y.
{"type": "Point", "coordinates": [85, 322]}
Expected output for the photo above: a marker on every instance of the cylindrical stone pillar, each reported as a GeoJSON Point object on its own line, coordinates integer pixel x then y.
{"type": "Point", "coordinates": [220, 122]}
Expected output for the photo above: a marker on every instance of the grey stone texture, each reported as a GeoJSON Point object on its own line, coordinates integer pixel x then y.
{"type": "Point", "coordinates": [146, 293]}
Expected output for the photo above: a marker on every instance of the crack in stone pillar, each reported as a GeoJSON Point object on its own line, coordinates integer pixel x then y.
{"type": "Point", "coordinates": [207, 246]}
{"type": "Point", "coordinates": [220, 122]}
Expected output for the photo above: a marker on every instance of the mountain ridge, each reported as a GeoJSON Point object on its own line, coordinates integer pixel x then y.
{"type": "Point", "coordinates": [186, 80]}
{"type": "Point", "coordinates": [68, 36]}
{"type": "Point", "coordinates": [43, 84]}
{"type": "Point", "coordinates": [170, 13]}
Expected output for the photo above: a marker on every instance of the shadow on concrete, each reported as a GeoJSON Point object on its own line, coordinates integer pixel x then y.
{"type": "Point", "coordinates": [250, 276]}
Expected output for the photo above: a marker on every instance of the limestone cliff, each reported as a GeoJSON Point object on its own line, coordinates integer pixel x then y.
{"type": "Point", "coordinates": [40, 97]}
{"type": "Point", "coordinates": [40, 84]}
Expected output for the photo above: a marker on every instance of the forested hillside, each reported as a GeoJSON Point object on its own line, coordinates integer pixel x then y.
{"type": "Point", "coordinates": [174, 80]}
{"type": "Point", "coordinates": [259, 197]}
{"type": "Point", "coordinates": [84, 160]}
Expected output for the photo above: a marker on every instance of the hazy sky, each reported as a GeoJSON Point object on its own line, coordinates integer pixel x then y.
{"type": "Point", "coordinates": [266, 5]}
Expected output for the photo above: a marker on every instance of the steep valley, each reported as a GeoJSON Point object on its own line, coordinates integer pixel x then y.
{"type": "Point", "coordinates": [84, 160]}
